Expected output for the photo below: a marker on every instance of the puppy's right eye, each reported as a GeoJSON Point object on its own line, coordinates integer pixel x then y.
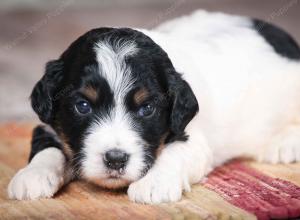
{"type": "Point", "coordinates": [146, 110]}
{"type": "Point", "coordinates": [83, 107]}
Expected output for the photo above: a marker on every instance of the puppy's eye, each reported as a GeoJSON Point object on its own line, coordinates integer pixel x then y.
{"type": "Point", "coordinates": [146, 110]}
{"type": "Point", "coordinates": [83, 107]}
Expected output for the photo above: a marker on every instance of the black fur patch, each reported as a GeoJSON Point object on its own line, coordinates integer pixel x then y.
{"type": "Point", "coordinates": [55, 95]}
{"type": "Point", "coordinates": [43, 94]}
{"type": "Point", "coordinates": [281, 41]}
{"type": "Point", "coordinates": [42, 139]}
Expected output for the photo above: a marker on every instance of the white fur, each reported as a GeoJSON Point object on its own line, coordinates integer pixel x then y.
{"type": "Point", "coordinates": [246, 91]}
{"type": "Point", "coordinates": [249, 98]}
{"type": "Point", "coordinates": [41, 178]}
{"type": "Point", "coordinates": [179, 165]}
{"type": "Point", "coordinates": [283, 147]}
{"type": "Point", "coordinates": [111, 60]}
{"type": "Point", "coordinates": [115, 131]}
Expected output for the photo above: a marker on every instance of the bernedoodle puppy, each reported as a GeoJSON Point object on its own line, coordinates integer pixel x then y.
{"type": "Point", "coordinates": [121, 106]}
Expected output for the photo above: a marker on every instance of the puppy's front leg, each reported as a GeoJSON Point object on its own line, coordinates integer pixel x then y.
{"type": "Point", "coordinates": [45, 173]}
{"type": "Point", "coordinates": [179, 165]}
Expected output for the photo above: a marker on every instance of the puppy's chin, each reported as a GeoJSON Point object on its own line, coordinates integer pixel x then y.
{"type": "Point", "coordinates": [110, 182]}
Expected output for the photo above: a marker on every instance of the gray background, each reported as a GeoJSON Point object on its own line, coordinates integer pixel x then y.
{"type": "Point", "coordinates": [35, 31]}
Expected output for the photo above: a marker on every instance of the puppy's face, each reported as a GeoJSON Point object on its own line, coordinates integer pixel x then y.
{"type": "Point", "coordinates": [115, 100]}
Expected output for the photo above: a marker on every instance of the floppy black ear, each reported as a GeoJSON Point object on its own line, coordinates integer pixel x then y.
{"type": "Point", "coordinates": [43, 92]}
{"type": "Point", "coordinates": [184, 105]}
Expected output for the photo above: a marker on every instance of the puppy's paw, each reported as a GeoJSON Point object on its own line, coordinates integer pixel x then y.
{"type": "Point", "coordinates": [153, 189]}
{"type": "Point", "coordinates": [33, 182]}
{"type": "Point", "coordinates": [284, 148]}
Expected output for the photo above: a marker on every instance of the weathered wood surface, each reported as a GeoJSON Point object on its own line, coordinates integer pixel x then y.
{"type": "Point", "coordinates": [80, 200]}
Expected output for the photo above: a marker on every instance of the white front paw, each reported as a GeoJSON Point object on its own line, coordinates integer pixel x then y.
{"type": "Point", "coordinates": [153, 189]}
{"type": "Point", "coordinates": [33, 182]}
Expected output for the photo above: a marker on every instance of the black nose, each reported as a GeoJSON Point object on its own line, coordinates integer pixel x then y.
{"type": "Point", "coordinates": [115, 159]}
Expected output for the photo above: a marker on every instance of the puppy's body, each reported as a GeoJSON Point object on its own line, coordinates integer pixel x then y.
{"type": "Point", "coordinates": [247, 92]}
{"type": "Point", "coordinates": [244, 73]}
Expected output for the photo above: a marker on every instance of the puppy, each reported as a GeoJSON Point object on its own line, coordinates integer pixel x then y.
{"type": "Point", "coordinates": [120, 106]}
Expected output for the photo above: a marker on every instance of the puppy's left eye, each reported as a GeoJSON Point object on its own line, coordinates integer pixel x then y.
{"type": "Point", "coordinates": [83, 107]}
{"type": "Point", "coordinates": [146, 110]}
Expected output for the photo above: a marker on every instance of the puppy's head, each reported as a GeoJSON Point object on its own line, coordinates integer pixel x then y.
{"type": "Point", "coordinates": [115, 100]}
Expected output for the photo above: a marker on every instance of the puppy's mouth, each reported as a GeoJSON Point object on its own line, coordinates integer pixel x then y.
{"type": "Point", "coordinates": [111, 182]}
{"type": "Point", "coordinates": [110, 173]}
{"type": "Point", "coordinates": [113, 179]}
{"type": "Point", "coordinates": [115, 174]}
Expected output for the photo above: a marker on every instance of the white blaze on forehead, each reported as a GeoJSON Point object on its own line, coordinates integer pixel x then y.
{"type": "Point", "coordinates": [112, 65]}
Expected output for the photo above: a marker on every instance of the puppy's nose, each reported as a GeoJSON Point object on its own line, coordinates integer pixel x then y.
{"type": "Point", "coordinates": [115, 159]}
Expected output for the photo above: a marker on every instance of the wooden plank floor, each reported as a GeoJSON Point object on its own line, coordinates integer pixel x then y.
{"type": "Point", "coordinates": [80, 200]}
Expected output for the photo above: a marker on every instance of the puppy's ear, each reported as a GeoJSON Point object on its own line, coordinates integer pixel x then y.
{"type": "Point", "coordinates": [184, 105]}
{"type": "Point", "coordinates": [43, 92]}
